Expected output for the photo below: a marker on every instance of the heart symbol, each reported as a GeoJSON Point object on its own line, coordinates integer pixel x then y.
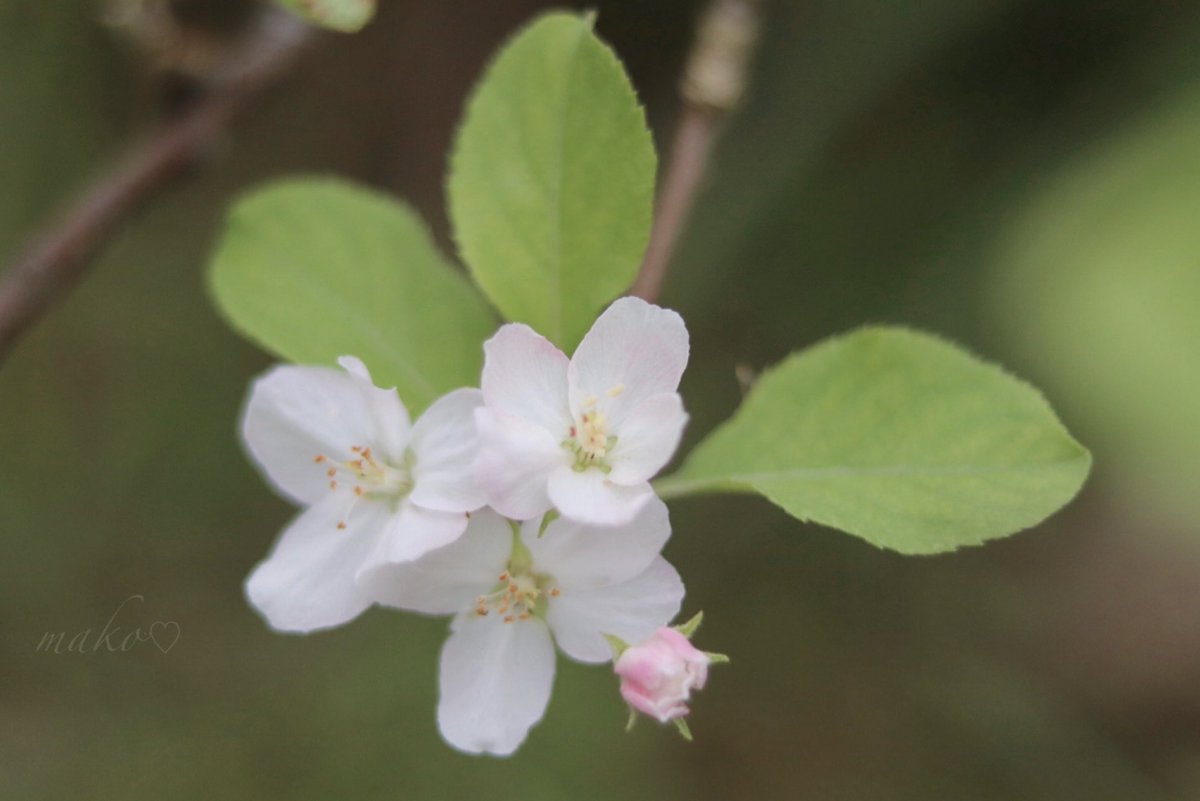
{"type": "Point", "coordinates": [169, 625]}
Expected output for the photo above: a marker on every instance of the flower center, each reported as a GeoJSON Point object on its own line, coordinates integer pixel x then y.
{"type": "Point", "coordinates": [520, 593]}
{"type": "Point", "coordinates": [589, 438]}
{"type": "Point", "coordinates": [366, 474]}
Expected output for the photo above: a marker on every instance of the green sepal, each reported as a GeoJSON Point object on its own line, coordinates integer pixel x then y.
{"type": "Point", "coordinates": [684, 731]}
{"type": "Point", "coordinates": [689, 628]}
{"type": "Point", "coordinates": [547, 519]}
{"type": "Point", "coordinates": [715, 658]}
{"type": "Point", "coordinates": [618, 645]}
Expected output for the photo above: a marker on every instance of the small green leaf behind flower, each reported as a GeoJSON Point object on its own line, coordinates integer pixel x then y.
{"type": "Point", "coordinates": [347, 16]}
{"type": "Point", "coordinates": [897, 437]}
{"type": "Point", "coordinates": [313, 269]}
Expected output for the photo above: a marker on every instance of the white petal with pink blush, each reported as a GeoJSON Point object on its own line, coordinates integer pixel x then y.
{"type": "Point", "coordinates": [513, 594]}
{"type": "Point", "coordinates": [377, 488]}
{"type": "Point", "coordinates": [583, 435]}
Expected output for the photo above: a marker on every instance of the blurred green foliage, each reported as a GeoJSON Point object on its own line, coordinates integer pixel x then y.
{"type": "Point", "coordinates": [884, 163]}
{"type": "Point", "coordinates": [1104, 262]}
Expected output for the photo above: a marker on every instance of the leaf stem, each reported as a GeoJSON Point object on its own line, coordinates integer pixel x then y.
{"type": "Point", "coordinates": [672, 487]}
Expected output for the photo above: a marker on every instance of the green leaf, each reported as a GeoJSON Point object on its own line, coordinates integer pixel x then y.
{"type": "Point", "coordinates": [312, 269]}
{"type": "Point", "coordinates": [347, 16]}
{"type": "Point", "coordinates": [552, 179]}
{"type": "Point", "coordinates": [897, 437]}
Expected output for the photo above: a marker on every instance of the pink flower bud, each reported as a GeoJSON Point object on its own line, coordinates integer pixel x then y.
{"type": "Point", "coordinates": [658, 676]}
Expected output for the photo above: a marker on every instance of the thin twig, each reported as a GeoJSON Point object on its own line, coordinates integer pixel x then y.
{"type": "Point", "coordinates": [713, 84]}
{"type": "Point", "coordinates": [58, 259]}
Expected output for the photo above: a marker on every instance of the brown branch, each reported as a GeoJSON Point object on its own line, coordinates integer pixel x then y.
{"type": "Point", "coordinates": [713, 84]}
{"type": "Point", "coordinates": [54, 262]}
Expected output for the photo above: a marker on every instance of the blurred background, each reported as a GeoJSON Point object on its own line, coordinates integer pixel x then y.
{"type": "Point", "coordinates": [1021, 176]}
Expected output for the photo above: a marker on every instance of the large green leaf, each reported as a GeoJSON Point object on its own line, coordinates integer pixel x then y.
{"type": "Point", "coordinates": [312, 269]}
{"type": "Point", "coordinates": [347, 16]}
{"type": "Point", "coordinates": [552, 179]}
{"type": "Point", "coordinates": [897, 437]}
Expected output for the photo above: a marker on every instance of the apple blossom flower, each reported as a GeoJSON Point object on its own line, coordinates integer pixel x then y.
{"type": "Point", "coordinates": [514, 592]}
{"type": "Point", "coordinates": [583, 435]}
{"type": "Point", "coordinates": [375, 488]}
{"type": "Point", "coordinates": [659, 675]}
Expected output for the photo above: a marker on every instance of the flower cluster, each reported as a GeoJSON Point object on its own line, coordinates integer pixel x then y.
{"type": "Point", "coordinates": [522, 509]}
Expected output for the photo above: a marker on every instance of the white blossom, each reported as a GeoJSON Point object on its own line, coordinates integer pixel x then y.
{"type": "Point", "coordinates": [375, 488]}
{"type": "Point", "coordinates": [514, 593]}
{"type": "Point", "coordinates": [583, 435]}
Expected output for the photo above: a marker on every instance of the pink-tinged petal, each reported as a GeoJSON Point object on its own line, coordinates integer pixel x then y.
{"type": "Point", "coordinates": [524, 375]}
{"type": "Point", "coordinates": [295, 414]}
{"type": "Point", "coordinates": [588, 496]}
{"type": "Point", "coordinates": [445, 581]}
{"type": "Point", "coordinates": [663, 709]}
{"type": "Point", "coordinates": [646, 703]}
{"type": "Point", "coordinates": [445, 442]}
{"type": "Point", "coordinates": [647, 439]}
{"type": "Point", "coordinates": [307, 582]}
{"type": "Point", "coordinates": [514, 463]}
{"type": "Point", "coordinates": [682, 647]}
{"type": "Point", "coordinates": [414, 531]}
{"type": "Point", "coordinates": [659, 674]}
{"type": "Point", "coordinates": [495, 680]}
{"type": "Point", "coordinates": [632, 611]}
{"type": "Point", "coordinates": [634, 350]}
{"type": "Point", "coordinates": [587, 557]}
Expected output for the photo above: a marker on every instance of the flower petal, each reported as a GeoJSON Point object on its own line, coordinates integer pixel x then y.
{"type": "Point", "coordinates": [515, 461]}
{"type": "Point", "coordinates": [307, 581]}
{"type": "Point", "coordinates": [586, 557]}
{"type": "Point", "coordinates": [445, 442]}
{"type": "Point", "coordinates": [414, 531]}
{"type": "Point", "coordinates": [632, 611]}
{"type": "Point", "coordinates": [445, 581]}
{"type": "Point", "coordinates": [294, 414]}
{"type": "Point", "coordinates": [495, 680]}
{"type": "Point", "coordinates": [634, 350]}
{"type": "Point", "coordinates": [647, 439]}
{"type": "Point", "coordinates": [588, 496]}
{"type": "Point", "coordinates": [392, 428]}
{"type": "Point", "coordinates": [526, 376]}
